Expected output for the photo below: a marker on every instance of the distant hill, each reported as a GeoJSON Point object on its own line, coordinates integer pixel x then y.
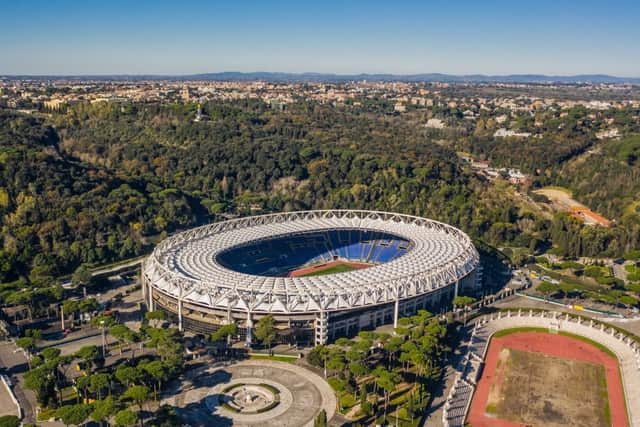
{"type": "Point", "coordinates": [430, 77]}
{"type": "Point", "coordinates": [328, 77]}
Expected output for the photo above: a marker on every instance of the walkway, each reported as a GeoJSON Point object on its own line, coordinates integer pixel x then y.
{"type": "Point", "coordinates": [15, 363]}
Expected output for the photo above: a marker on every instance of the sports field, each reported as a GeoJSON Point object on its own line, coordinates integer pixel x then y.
{"type": "Point", "coordinates": [332, 267]}
{"type": "Point", "coordinates": [542, 379]}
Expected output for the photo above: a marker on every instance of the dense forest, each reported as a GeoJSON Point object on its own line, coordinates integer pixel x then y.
{"type": "Point", "coordinates": [607, 179]}
{"type": "Point", "coordinates": [95, 183]}
{"type": "Point", "coordinates": [250, 158]}
{"type": "Point", "coordinates": [557, 136]}
{"type": "Point", "coordinates": [58, 212]}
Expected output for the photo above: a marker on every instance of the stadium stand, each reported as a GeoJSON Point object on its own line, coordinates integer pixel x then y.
{"type": "Point", "coordinates": [243, 269]}
{"type": "Point", "coordinates": [280, 255]}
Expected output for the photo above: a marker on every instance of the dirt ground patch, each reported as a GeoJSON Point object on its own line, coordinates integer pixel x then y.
{"type": "Point", "coordinates": [561, 199]}
{"type": "Point", "coordinates": [495, 392]}
{"type": "Point", "coordinates": [541, 390]}
{"type": "Point", "coordinates": [540, 379]}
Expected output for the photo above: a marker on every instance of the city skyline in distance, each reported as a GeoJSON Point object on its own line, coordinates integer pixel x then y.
{"type": "Point", "coordinates": [376, 37]}
{"type": "Point", "coordinates": [313, 77]}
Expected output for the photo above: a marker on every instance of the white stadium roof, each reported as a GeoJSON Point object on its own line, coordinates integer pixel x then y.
{"type": "Point", "coordinates": [185, 265]}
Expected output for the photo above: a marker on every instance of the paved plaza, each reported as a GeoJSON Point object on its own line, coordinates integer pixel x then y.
{"type": "Point", "coordinates": [302, 394]}
{"type": "Point", "coordinates": [12, 363]}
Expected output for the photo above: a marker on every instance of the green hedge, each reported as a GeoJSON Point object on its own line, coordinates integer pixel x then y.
{"type": "Point", "coordinates": [231, 387]}
{"type": "Point", "coordinates": [230, 408]}
{"type": "Point", "coordinates": [571, 264]}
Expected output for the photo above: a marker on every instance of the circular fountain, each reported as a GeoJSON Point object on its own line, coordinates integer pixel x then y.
{"type": "Point", "coordinates": [247, 398]}
{"type": "Point", "coordinates": [251, 398]}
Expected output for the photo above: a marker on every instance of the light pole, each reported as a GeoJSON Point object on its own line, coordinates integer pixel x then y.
{"type": "Point", "coordinates": [324, 360]}
{"type": "Point", "coordinates": [103, 339]}
{"type": "Point", "coordinates": [62, 317]}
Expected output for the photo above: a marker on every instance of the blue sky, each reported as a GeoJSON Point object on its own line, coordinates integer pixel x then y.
{"type": "Point", "coordinates": [402, 37]}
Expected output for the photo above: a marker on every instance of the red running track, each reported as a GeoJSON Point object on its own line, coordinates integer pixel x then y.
{"type": "Point", "coordinates": [554, 345]}
{"type": "Point", "coordinates": [326, 265]}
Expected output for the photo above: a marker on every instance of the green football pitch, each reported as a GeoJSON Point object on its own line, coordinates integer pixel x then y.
{"type": "Point", "coordinates": [340, 268]}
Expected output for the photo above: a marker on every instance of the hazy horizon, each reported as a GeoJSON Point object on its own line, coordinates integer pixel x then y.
{"type": "Point", "coordinates": [311, 73]}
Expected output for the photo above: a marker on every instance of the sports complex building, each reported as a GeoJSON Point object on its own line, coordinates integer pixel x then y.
{"type": "Point", "coordinates": [321, 274]}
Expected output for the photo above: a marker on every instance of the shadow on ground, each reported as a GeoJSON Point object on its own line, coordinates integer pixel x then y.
{"type": "Point", "coordinates": [198, 414]}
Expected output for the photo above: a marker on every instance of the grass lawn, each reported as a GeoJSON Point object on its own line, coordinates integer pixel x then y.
{"type": "Point", "coordinates": [632, 208]}
{"type": "Point", "coordinates": [505, 332]}
{"type": "Point", "coordinates": [340, 268]}
{"type": "Point", "coordinates": [587, 287]}
{"type": "Point", "coordinates": [633, 272]}
{"type": "Point", "coordinates": [582, 283]}
{"type": "Point", "coordinates": [347, 401]}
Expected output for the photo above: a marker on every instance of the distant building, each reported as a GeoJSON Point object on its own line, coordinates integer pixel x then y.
{"type": "Point", "coordinates": [54, 104]}
{"type": "Point", "coordinates": [598, 105]}
{"type": "Point", "coordinates": [608, 134]}
{"type": "Point", "coordinates": [478, 164]}
{"type": "Point", "coordinates": [516, 177]}
{"type": "Point", "coordinates": [200, 114]}
{"type": "Point", "coordinates": [501, 119]}
{"type": "Point", "coordinates": [507, 133]}
{"type": "Point", "coordinates": [435, 124]}
{"type": "Point", "coordinates": [469, 115]}
{"type": "Point", "coordinates": [492, 173]}
{"type": "Point", "coordinates": [465, 157]}
{"type": "Point", "coordinates": [185, 94]}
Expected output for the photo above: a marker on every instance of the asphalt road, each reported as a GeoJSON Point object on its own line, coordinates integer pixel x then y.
{"type": "Point", "coordinates": [14, 365]}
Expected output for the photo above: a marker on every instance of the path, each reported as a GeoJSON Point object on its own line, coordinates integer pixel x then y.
{"type": "Point", "coordinates": [15, 364]}
{"type": "Point", "coordinates": [433, 418]}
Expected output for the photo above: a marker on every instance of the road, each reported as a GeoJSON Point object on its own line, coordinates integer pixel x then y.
{"type": "Point", "coordinates": [15, 364]}
{"type": "Point", "coordinates": [108, 269]}
{"type": "Point", "coordinates": [70, 346]}
{"type": "Point", "coordinates": [128, 313]}
{"type": "Point", "coordinates": [112, 269]}
{"type": "Point", "coordinates": [630, 324]}
{"type": "Point", "coordinates": [619, 271]}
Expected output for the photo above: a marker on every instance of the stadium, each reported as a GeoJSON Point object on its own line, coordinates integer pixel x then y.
{"type": "Point", "coordinates": [321, 274]}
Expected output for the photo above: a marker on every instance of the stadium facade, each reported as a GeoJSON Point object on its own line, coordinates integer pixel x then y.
{"type": "Point", "coordinates": [321, 274]}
